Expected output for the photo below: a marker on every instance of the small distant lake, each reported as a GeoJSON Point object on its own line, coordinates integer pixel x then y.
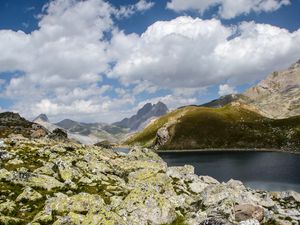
{"type": "Point", "coordinates": [120, 149]}
{"type": "Point", "coordinates": [273, 171]}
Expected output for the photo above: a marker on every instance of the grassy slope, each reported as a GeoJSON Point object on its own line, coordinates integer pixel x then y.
{"type": "Point", "coordinates": [226, 127]}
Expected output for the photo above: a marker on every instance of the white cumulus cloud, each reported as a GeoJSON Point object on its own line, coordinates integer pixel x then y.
{"type": "Point", "coordinates": [195, 53]}
{"type": "Point", "coordinates": [225, 89]}
{"type": "Point", "coordinates": [227, 9]}
{"type": "Point", "coordinates": [128, 10]}
{"type": "Point", "coordinates": [57, 69]}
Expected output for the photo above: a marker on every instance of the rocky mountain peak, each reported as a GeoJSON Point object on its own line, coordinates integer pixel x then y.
{"type": "Point", "coordinates": [278, 96]}
{"type": "Point", "coordinates": [145, 109]}
{"type": "Point", "coordinates": [42, 117]}
{"type": "Point", "coordinates": [295, 65]}
{"type": "Point", "coordinates": [160, 109]}
{"type": "Point", "coordinates": [147, 112]}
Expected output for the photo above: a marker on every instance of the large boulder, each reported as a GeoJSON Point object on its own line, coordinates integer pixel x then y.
{"type": "Point", "coordinates": [248, 211]}
{"type": "Point", "coordinates": [146, 206]}
{"type": "Point", "coordinates": [104, 144]}
{"type": "Point", "coordinates": [162, 136]}
{"type": "Point", "coordinates": [58, 134]}
{"type": "Point", "coordinates": [29, 194]}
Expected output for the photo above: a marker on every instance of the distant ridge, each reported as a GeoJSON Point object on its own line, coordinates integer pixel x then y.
{"type": "Point", "coordinates": [223, 100]}
{"type": "Point", "coordinates": [277, 96]}
{"type": "Point", "coordinates": [42, 117]}
{"type": "Point", "coordinates": [145, 114]}
{"type": "Point", "coordinates": [67, 124]}
{"type": "Point", "coordinates": [96, 131]}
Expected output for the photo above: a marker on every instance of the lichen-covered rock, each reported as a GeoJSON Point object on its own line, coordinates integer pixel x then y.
{"type": "Point", "coordinates": [4, 174]}
{"type": "Point", "coordinates": [104, 217]}
{"type": "Point", "coordinates": [81, 203]}
{"type": "Point", "coordinates": [7, 220]}
{"type": "Point", "coordinates": [249, 222]}
{"type": "Point", "coordinates": [196, 217]}
{"type": "Point", "coordinates": [7, 207]}
{"type": "Point", "coordinates": [288, 195]}
{"type": "Point", "coordinates": [142, 207]}
{"type": "Point", "coordinates": [58, 134]}
{"type": "Point", "coordinates": [214, 221]}
{"type": "Point", "coordinates": [44, 181]}
{"type": "Point", "coordinates": [43, 217]}
{"type": "Point", "coordinates": [2, 143]}
{"type": "Point", "coordinates": [5, 155]}
{"type": "Point", "coordinates": [68, 183]}
{"type": "Point", "coordinates": [180, 172]}
{"type": "Point", "coordinates": [15, 162]}
{"type": "Point", "coordinates": [25, 178]}
{"type": "Point", "coordinates": [65, 169]}
{"type": "Point", "coordinates": [29, 194]}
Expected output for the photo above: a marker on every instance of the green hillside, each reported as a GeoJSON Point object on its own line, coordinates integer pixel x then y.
{"type": "Point", "coordinates": [227, 127]}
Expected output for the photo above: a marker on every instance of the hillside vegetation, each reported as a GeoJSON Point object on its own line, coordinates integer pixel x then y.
{"type": "Point", "coordinates": [226, 127]}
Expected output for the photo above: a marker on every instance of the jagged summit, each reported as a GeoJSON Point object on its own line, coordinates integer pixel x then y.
{"type": "Point", "coordinates": [146, 113]}
{"type": "Point", "coordinates": [278, 96]}
{"type": "Point", "coordinates": [295, 65]}
{"type": "Point", "coordinates": [42, 117]}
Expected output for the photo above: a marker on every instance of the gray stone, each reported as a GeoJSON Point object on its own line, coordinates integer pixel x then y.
{"type": "Point", "coordinates": [249, 222]}
{"type": "Point", "coordinates": [248, 211]}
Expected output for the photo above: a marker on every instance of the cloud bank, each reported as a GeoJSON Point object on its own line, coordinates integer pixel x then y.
{"type": "Point", "coordinates": [195, 53]}
{"type": "Point", "coordinates": [59, 69]}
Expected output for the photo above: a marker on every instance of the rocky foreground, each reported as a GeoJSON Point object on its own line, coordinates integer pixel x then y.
{"type": "Point", "coordinates": [49, 182]}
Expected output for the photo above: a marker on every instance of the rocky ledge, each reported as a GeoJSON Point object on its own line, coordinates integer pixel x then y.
{"type": "Point", "coordinates": [48, 182]}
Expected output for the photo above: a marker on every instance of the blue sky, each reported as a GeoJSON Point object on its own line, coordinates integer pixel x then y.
{"type": "Point", "coordinates": [99, 60]}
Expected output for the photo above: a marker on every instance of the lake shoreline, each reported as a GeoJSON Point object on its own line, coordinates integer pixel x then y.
{"type": "Point", "coordinates": [263, 169]}
{"type": "Point", "coordinates": [226, 150]}
{"type": "Point", "coordinates": [216, 150]}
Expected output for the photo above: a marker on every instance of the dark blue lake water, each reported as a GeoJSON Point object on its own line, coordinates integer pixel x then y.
{"type": "Point", "coordinates": [272, 171]}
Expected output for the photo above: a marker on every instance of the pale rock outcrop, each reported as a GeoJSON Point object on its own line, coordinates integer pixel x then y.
{"type": "Point", "coordinates": [278, 96]}
{"type": "Point", "coordinates": [162, 136]}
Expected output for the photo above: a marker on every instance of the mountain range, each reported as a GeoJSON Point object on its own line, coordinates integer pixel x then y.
{"type": "Point", "coordinates": [264, 116]}
{"type": "Point", "coordinates": [91, 133]}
